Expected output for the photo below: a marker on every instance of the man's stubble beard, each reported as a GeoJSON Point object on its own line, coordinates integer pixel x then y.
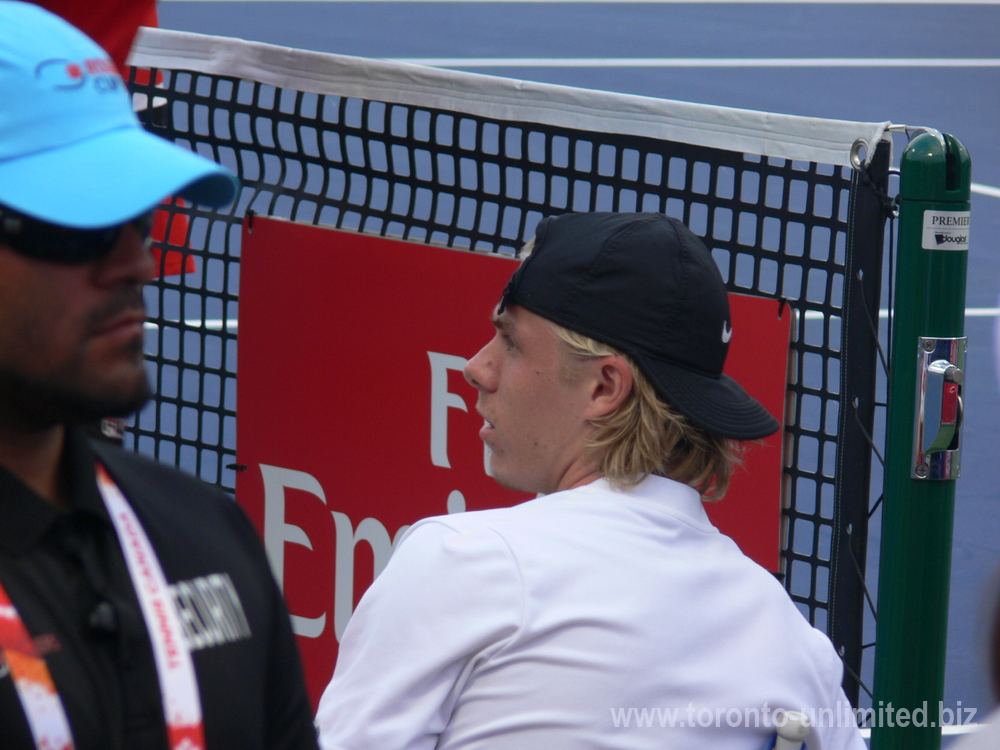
{"type": "Point", "coordinates": [33, 403]}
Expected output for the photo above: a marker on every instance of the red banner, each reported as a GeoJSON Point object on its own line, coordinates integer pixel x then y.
{"type": "Point", "coordinates": [354, 418]}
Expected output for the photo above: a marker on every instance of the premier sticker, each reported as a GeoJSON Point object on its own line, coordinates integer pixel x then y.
{"type": "Point", "coordinates": [946, 230]}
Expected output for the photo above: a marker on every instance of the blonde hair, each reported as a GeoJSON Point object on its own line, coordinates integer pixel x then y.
{"type": "Point", "coordinates": [647, 436]}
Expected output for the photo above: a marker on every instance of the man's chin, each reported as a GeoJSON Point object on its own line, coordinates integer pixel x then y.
{"type": "Point", "coordinates": [117, 404]}
{"type": "Point", "coordinates": [119, 392]}
{"type": "Point", "coordinates": [39, 405]}
{"type": "Point", "coordinates": [509, 482]}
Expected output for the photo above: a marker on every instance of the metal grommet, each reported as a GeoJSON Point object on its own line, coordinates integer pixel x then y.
{"type": "Point", "coordinates": [858, 152]}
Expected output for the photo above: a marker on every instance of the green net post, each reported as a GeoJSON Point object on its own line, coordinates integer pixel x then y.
{"type": "Point", "coordinates": [923, 444]}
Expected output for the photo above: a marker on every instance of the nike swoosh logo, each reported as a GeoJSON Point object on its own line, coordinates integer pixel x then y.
{"type": "Point", "coordinates": [727, 333]}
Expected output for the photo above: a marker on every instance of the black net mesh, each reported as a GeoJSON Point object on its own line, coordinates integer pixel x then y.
{"type": "Point", "coordinates": [807, 233]}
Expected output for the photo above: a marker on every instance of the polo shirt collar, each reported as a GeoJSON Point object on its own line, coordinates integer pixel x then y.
{"type": "Point", "coordinates": [25, 517]}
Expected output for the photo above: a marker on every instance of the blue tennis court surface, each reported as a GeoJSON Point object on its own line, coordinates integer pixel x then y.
{"type": "Point", "coordinates": [921, 64]}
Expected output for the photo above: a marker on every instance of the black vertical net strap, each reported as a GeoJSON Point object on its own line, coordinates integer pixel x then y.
{"type": "Point", "coordinates": [807, 232]}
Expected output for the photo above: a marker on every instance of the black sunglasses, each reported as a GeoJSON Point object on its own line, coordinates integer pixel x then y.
{"type": "Point", "coordinates": [51, 242]}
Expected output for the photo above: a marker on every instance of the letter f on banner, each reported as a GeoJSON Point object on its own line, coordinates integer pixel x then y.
{"type": "Point", "coordinates": [441, 399]}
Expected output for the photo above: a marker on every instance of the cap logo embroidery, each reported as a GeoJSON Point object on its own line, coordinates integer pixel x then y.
{"type": "Point", "coordinates": [64, 75]}
{"type": "Point", "coordinates": [727, 332]}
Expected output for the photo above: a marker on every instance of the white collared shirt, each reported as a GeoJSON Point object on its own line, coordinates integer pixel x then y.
{"type": "Point", "coordinates": [570, 621]}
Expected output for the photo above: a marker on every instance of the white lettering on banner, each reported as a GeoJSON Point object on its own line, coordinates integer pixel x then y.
{"type": "Point", "coordinates": [441, 400]}
{"type": "Point", "coordinates": [277, 532]}
{"type": "Point", "coordinates": [487, 452]}
{"type": "Point", "coordinates": [204, 623]}
{"type": "Point", "coordinates": [456, 502]}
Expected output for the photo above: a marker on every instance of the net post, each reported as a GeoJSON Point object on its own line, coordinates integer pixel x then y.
{"type": "Point", "coordinates": [923, 449]}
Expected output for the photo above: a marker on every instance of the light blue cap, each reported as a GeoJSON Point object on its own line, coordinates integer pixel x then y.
{"type": "Point", "coordinates": [72, 151]}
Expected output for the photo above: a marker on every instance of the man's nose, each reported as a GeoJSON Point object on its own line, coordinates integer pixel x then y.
{"type": "Point", "coordinates": [478, 371]}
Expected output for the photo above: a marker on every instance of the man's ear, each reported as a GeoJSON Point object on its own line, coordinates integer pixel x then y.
{"type": "Point", "coordinates": [611, 382]}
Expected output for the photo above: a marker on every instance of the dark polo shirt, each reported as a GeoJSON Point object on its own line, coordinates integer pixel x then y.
{"type": "Point", "coordinates": [66, 575]}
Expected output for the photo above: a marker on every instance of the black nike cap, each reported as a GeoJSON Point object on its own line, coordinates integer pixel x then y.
{"type": "Point", "coordinates": [645, 284]}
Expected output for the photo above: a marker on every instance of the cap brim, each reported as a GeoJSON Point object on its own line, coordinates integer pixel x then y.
{"type": "Point", "coordinates": [110, 178]}
{"type": "Point", "coordinates": [719, 406]}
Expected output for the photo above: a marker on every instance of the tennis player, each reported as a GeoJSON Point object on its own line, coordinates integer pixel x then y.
{"type": "Point", "coordinates": [608, 612]}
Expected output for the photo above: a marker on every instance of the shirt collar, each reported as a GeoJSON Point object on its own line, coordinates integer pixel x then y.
{"type": "Point", "coordinates": [660, 493]}
{"type": "Point", "coordinates": [25, 517]}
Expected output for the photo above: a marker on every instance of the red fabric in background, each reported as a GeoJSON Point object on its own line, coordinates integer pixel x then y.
{"type": "Point", "coordinates": [172, 262]}
{"type": "Point", "coordinates": [110, 23]}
